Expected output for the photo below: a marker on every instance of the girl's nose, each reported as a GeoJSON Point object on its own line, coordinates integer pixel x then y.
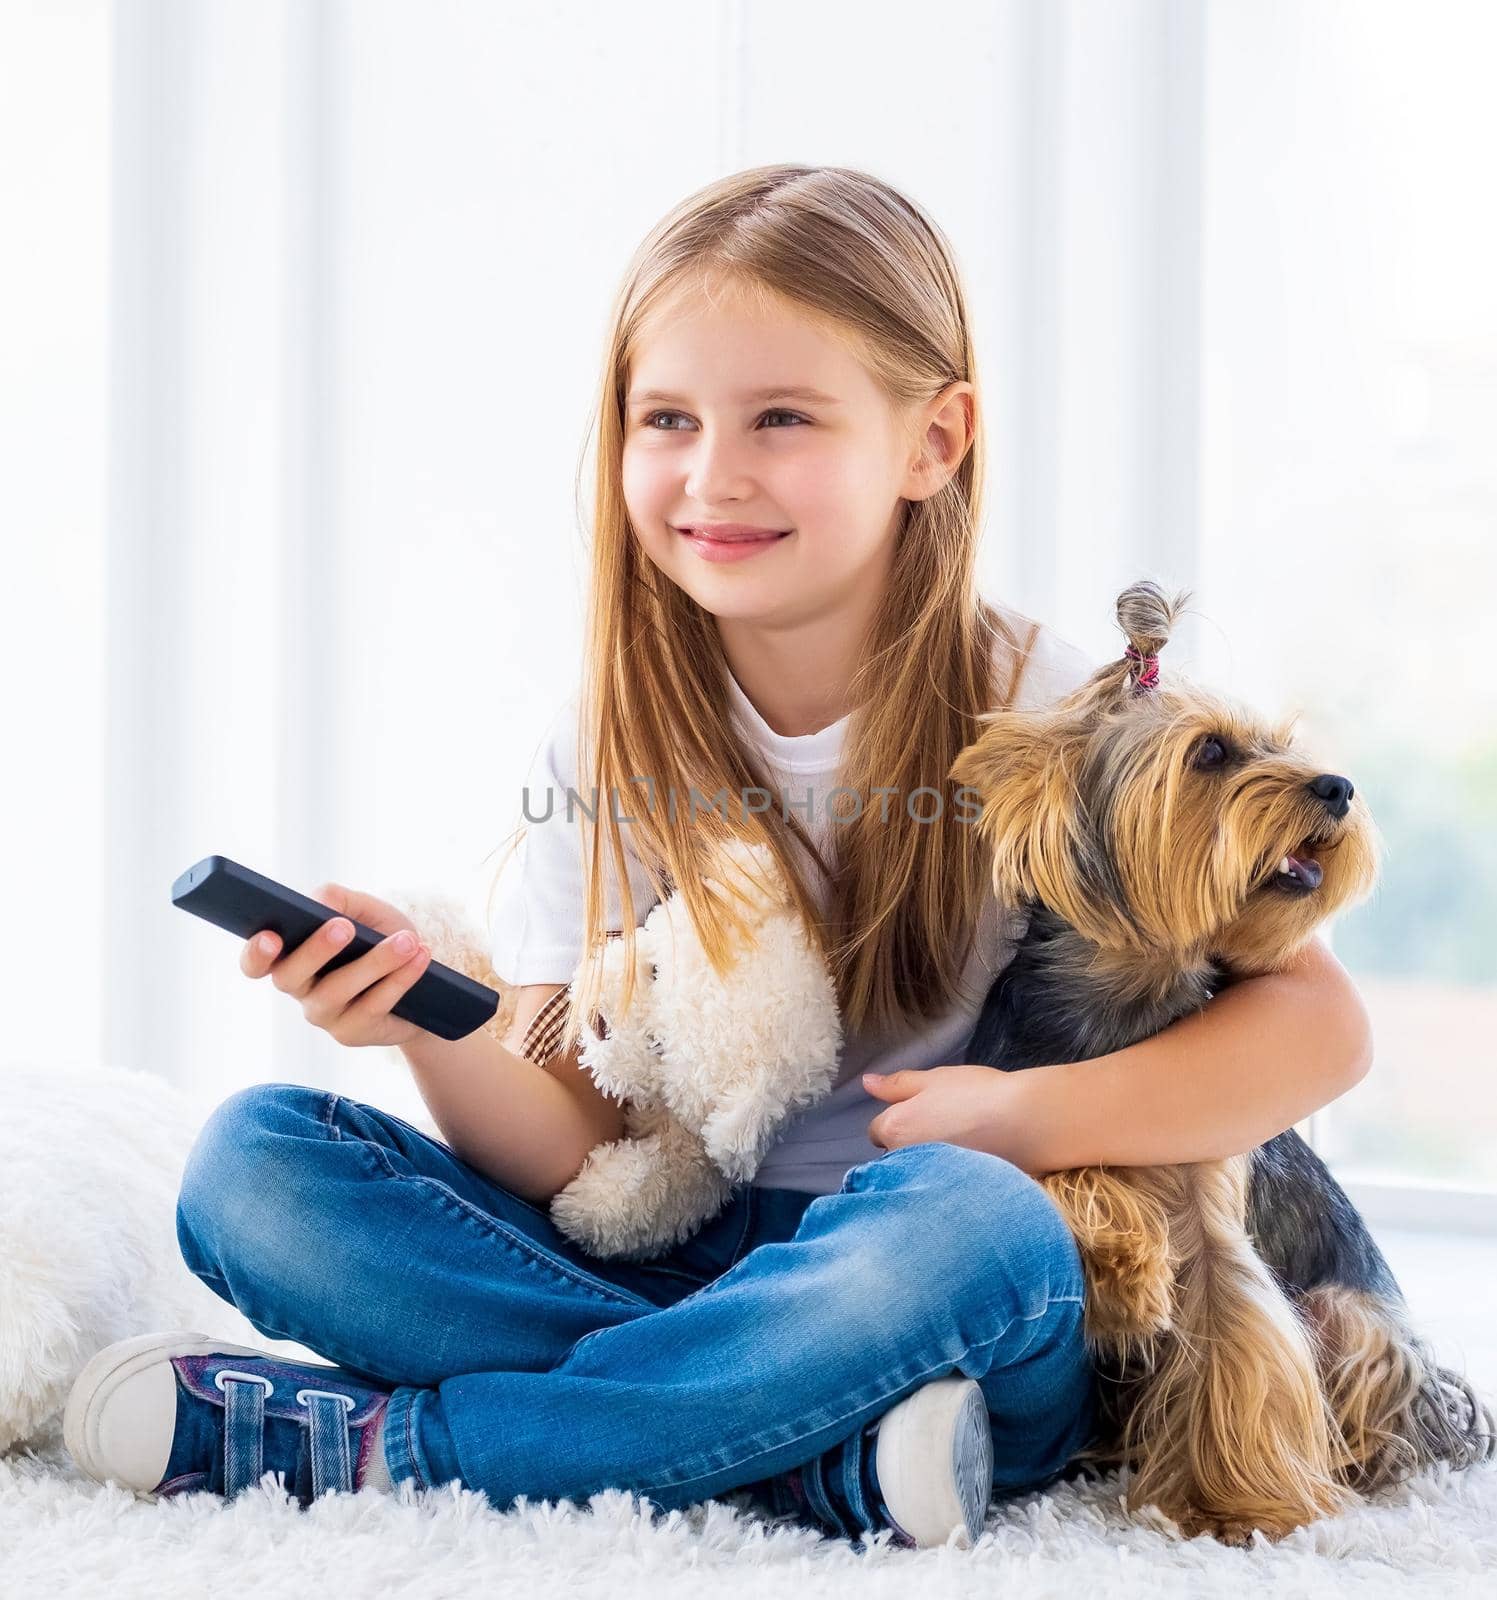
{"type": "Point", "coordinates": [718, 479]}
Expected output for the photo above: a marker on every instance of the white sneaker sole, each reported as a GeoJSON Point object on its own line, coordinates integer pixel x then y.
{"type": "Point", "coordinates": [934, 1461]}
{"type": "Point", "coordinates": [121, 1413]}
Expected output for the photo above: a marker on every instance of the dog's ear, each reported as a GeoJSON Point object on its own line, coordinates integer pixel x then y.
{"type": "Point", "coordinates": [1021, 767]}
{"type": "Point", "coordinates": [1026, 768]}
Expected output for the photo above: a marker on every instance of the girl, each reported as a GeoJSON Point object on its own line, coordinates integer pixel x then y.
{"type": "Point", "coordinates": [884, 1327]}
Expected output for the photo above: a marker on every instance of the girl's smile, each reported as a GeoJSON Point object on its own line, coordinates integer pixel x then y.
{"type": "Point", "coordinates": [731, 542]}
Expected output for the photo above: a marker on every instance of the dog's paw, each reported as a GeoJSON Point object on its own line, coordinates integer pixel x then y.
{"type": "Point", "coordinates": [1234, 1530]}
{"type": "Point", "coordinates": [1128, 1301]}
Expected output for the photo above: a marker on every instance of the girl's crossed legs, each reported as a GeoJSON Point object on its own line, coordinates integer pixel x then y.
{"type": "Point", "coordinates": [522, 1365]}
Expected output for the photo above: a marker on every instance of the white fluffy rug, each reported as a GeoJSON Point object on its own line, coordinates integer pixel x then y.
{"type": "Point", "coordinates": [96, 1260]}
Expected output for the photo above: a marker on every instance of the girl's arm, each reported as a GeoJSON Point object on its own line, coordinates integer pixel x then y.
{"type": "Point", "coordinates": [527, 1127]}
{"type": "Point", "coordinates": [1261, 1056]}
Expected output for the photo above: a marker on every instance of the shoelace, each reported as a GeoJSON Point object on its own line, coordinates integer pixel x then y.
{"type": "Point", "coordinates": [244, 1432]}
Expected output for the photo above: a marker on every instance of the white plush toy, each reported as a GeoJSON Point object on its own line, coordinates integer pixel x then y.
{"type": "Point", "coordinates": [708, 1068]}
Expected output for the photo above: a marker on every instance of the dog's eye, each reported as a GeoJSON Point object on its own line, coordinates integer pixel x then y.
{"type": "Point", "coordinates": [1210, 752]}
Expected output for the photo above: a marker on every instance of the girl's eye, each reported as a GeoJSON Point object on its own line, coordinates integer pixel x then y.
{"type": "Point", "coordinates": [649, 420]}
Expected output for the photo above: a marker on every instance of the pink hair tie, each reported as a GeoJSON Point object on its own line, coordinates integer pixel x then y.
{"type": "Point", "coordinates": [1147, 675]}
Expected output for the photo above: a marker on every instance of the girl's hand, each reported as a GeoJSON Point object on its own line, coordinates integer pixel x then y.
{"type": "Point", "coordinates": [980, 1107]}
{"type": "Point", "coordinates": [352, 1003]}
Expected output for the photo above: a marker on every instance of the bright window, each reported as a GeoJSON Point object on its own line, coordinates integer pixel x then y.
{"type": "Point", "coordinates": [1350, 504]}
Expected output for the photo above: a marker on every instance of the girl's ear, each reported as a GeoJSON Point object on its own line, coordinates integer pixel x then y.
{"type": "Point", "coordinates": [939, 434]}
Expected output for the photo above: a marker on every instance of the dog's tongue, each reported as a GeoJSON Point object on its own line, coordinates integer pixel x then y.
{"type": "Point", "coordinates": [1303, 869]}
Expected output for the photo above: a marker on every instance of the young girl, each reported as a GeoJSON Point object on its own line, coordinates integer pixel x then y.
{"type": "Point", "coordinates": [884, 1327]}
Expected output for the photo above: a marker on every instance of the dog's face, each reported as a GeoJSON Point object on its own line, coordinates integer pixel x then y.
{"type": "Point", "coordinates": [1169, 823]}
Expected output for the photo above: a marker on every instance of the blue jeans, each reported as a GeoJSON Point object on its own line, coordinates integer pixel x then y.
{"type": "Point", "coordinates": [520, 1365]}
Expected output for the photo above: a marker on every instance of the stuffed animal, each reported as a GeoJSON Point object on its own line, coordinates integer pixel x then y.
{"type": "Point", "coordinates": [708, 1069]}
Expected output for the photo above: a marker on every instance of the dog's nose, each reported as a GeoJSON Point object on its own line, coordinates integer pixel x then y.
{"type": "Point", "coordinates": [1335, 791]}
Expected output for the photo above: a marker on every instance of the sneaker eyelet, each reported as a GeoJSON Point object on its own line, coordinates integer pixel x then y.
{"type": "Point", "coordinates": [248, 1377]}
{"type": "Point", "coordinates": [304, 1395]}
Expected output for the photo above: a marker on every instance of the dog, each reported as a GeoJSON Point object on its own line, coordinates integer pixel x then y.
{"type": "Point", "coordinates": [1257, 1365]}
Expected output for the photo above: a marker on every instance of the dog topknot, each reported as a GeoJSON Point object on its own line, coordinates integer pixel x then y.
{"type": "Point", "coordinates": [1146, 614]}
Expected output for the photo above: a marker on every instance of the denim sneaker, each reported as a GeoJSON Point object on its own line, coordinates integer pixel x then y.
{"type": "Point", "coordinates": [165, 1414]}
{"type": "Point", "coordinates": [924, 1469]}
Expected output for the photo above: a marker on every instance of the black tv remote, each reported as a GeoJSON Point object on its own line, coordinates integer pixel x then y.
{"type": "Point", "coordinates": [447, 1003]}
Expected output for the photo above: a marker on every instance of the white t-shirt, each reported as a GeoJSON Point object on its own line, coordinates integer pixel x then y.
{"type": "Point", "coordinates": [536, 923]}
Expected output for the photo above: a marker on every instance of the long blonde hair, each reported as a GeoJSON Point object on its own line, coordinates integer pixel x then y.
{"type": "Point", "coordinates": [866, 265]}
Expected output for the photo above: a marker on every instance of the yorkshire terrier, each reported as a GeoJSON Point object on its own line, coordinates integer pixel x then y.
{"type": "Point", "coordinates": [1257, 1364]}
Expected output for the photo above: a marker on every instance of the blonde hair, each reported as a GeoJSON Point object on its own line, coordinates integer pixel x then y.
{"type": "Point", "coordinates": [846, 250]}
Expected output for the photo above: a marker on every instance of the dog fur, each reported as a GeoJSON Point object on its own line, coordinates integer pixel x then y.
{"type": "Point", "coordinates": [1258, 1366]}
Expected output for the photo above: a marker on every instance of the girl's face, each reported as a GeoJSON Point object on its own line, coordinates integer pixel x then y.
{"type": "Point", "coordinates": [712, 434]}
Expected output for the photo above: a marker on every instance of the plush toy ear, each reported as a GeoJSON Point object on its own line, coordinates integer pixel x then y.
{"type": "Point", "coordinates": [456, 941]}
{"type": "Point", "coordinates": [753, 872]}
{"type": "Point", "coordinates": [620, 1051]}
